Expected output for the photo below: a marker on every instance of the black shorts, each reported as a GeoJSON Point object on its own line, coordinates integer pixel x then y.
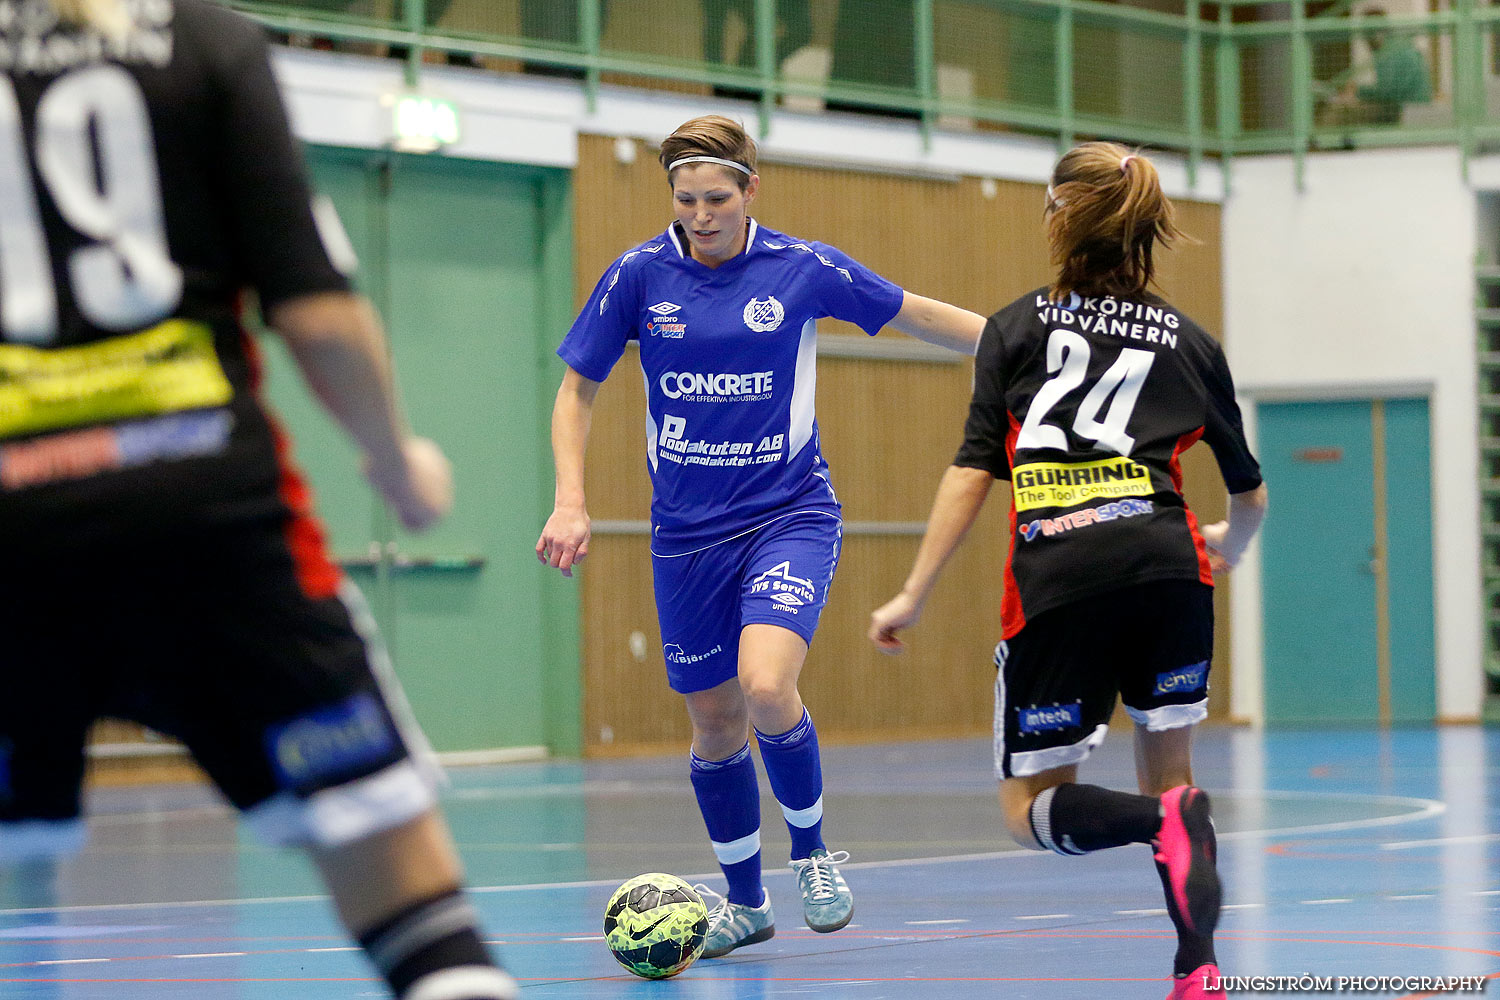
{"type": "Point", "coordinates": [243, 643]}
{"type": "Point", "coordinates": [1151, 644]}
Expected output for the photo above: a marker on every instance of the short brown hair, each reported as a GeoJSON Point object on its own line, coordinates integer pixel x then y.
{"type": "Point", "coordinates": [711, 135]}
{"type": "Point", "coordinates": [1108, 214]}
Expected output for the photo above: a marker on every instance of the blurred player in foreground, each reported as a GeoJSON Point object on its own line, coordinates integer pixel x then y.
{"type": "Point", "coordinates": [162, 563]}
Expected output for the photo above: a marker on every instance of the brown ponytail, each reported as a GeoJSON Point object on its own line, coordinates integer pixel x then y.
{"type": "Point", "coordinates": [1106, 214]}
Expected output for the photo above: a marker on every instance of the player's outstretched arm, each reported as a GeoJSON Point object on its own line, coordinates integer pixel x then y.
{"type": "Point", "coordinates": [1228, 539]}
{"type": "Point", "coordinates": [939, 323]}
{"type": "Point", "coordinates": [338, 342]}
{"type": "Point", "coordinates": [564, 541]}
{"type": "Point", "coordinates": [960, 495]}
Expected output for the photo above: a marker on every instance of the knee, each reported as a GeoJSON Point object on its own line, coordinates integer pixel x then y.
{"type": "Point", "coordinates": [768, 696]}
{"type": "Point", "coordinates": [716, 728]}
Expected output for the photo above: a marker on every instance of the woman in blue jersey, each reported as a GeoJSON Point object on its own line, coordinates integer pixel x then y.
{"type": "Point", "coordinates": [745, 524]}
{"type": "Point", "coordinates": [1086, 393]}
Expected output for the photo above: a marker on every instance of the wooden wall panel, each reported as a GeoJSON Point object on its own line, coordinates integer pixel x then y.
{"type": "Point", "coordinates": [888, 429]}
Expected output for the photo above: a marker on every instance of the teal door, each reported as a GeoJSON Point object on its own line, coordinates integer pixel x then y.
{"type": "Point", "coordinates": [470, 264]}
{"type": "Point", "coordinates": [1347, 562]}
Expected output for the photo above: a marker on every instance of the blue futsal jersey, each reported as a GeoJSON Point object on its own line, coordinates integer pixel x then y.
{"type": "Point", "coordinates": [729, 359]}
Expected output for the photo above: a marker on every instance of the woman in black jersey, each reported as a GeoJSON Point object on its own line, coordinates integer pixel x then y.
{"type": "Point", "coordinates": [162, 563]}
{"type": "Point", "coordinates": [1086, 393]}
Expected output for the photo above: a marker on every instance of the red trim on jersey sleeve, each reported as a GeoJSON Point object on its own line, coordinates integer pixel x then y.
{"type": "Point", "coordinates": [317, 574]}
{"type": "Point", "coordinates": [1012, 615]}
{"type": "Point", "coordinates": [1205, 572]}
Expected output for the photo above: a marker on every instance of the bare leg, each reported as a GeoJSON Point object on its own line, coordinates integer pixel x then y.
{"type": "Point", "coordinates": [398, 893]}
{"type": "Point", "coordinates": [1017, 795]}
{"type": "Point", "coordinates": [1163, 759]}
{"type": "Point", "coordinates": [373, 878]}
{"type": "Point", "coordinates": [771, 660]}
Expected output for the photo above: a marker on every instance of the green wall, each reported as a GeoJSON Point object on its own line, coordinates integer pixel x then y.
{"type": "Point", "coordinates": [470, 262]}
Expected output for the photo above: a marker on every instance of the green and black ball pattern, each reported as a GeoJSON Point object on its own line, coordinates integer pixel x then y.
{"type": "Point", "coordinates": [655, 925]}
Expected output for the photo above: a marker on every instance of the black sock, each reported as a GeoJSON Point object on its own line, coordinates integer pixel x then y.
{"type": "Point", "coordinates": [1193, 950]}
{"type": "Point", "coordinates": [1077, 819]}
{"type": "Point", "coordinates": [437, 941]}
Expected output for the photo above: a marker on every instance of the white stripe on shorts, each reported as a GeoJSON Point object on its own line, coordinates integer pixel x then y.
{"type": "Point", "coordinates": [1169, 716]}
{"type": "Point", "coordinates": [1001, 652]}
{"type": "Point", "coordinates": [391, 692]}
{"type": "Point", "coordinates": [346, 813]}
{"type": "Point", "coordinates": [736, 851]}
{"type": "Point", "coordinates": [1030, 762]}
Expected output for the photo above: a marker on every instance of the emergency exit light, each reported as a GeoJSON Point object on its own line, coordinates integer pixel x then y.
{"type": "Point", "coordinates": [423, 124]}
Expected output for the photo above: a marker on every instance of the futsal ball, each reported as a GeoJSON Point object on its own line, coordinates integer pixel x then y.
{"type": "Point", "coordinates": [655, 925]}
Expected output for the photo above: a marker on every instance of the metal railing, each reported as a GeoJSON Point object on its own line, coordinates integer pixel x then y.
{"type": "Point", "coordinates": [1206, 78]}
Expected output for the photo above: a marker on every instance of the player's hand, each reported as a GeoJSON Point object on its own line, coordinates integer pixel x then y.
{"type": "Point", "coordinates": [420, 488]}
{"type": "Point", "coordinates": [565, 539]}
{"type": "Point", "coordinates": [899, 612]}
{"type": "Point", "coordinates": [1213, 537]}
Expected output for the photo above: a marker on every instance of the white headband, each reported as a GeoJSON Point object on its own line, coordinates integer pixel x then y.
{"type": "Point", "coordinates": [708, 159]}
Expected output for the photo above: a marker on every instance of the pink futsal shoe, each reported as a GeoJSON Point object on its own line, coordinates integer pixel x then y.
{"type": "Point", "coordinates": [1185, 847]}
{"type": "Point", "coordinates": [1200, 984]}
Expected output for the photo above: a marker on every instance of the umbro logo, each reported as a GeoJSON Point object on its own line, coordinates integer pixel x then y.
{"type": "Point", "coordinates": [664, 308]}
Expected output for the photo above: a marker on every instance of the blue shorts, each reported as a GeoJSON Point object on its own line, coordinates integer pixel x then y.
{"type": "Point", "coordinates": [777, 574]}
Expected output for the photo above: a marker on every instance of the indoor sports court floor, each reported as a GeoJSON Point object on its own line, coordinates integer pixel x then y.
{"type": "Point", "coordinates": [1345, 853]}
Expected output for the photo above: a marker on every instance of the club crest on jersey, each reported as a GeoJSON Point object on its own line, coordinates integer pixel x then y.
{"type": "Point", "coordinates": [764, 315]}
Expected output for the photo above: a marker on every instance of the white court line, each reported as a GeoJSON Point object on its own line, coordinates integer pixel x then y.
{"type": "Point", "coordinates": [1403, 845]}
{"type": "Point", "coordinates": [215, 954]}
{"type": "Point", "coordinates": [1323, 902]}
{"type": "Point", "coordinates": [1154, 912]}
{"type": "Point", "coordinates": [312, 951]}
{"type": "Point", "coordinates": [1424, 809]}
{"type": "Point", "coordinates": [1046, 916]}
{"type": "Point", "coordinates": [171, 905]}
{"type": "Point", "coordinates": [1237, 906]}
{"type": "Point", "coordinates": [69, 961]}
{"type": "Point", "coordinates": [1418, 895]}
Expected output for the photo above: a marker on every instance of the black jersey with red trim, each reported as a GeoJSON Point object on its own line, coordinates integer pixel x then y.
{"type": "Point", "coordinates": [147, 181]}
{"type": "Point", "coordinates": [1086, 407]}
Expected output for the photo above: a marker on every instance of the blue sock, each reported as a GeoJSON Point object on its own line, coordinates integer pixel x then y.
{"type": "Point", "coordinates": [729, 798]}
{"type": "Point", "coordinates": [796, 775]}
